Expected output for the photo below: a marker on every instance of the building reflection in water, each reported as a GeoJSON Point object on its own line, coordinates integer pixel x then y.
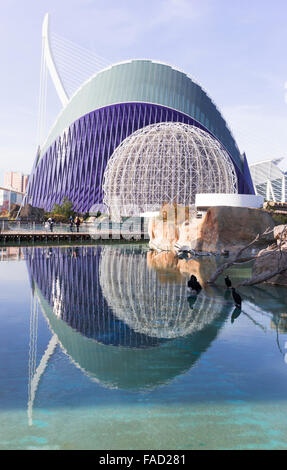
{"type": "Point", "coordinates": [11, 253]}
{"type": "Point", "coordinates": [69, 280]}
{"type": "Point", "coordinates": [115, 319]}
{"type": "Point", "coordinates": [139, 298]}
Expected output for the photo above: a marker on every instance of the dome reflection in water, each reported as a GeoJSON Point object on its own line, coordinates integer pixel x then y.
{"type": "Point", "coordinates": [115, 317]}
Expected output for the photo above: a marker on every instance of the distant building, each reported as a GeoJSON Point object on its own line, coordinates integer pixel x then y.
{"type": "Point", "coordinates": [25, 182]}
{"type": "Point", "coordinates": [16, 180]}
{"type": "Point", "coordinates": [269, 180]}
{"type": "Point", "coordinates": [8, 197]}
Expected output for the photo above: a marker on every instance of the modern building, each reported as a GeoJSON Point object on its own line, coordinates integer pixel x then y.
{"type": "Point", "coordinates": [8, 197]}
{"type": "Point", "coordinates": [110, 107]}
{"type": "Point", "coordinates": [269, 180]}
{"type": "Point", "coordinates": [16, 180]}
{"type": "Point", "coordinates": [167, 162]}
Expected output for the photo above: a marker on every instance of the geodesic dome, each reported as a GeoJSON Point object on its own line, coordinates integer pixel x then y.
{"type": "Point", "coordinates": [164, 163]}
{"type": "Point", "coordinates": [136, 295]}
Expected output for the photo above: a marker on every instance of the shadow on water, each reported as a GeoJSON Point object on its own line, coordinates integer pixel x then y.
{"type": "Point", "coordinates": [117, 321]}
{"type": "Point", "coordinates": [235, 314]}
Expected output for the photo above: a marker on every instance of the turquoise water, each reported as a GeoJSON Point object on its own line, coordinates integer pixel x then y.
{"type": "Point", "coordinates": [103, 348]}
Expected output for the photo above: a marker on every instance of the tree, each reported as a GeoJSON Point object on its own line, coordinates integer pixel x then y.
{"type": "Point", "coordinates": [65, 208]}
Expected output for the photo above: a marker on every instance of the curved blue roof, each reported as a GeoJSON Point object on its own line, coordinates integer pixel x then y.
{"type": "Point", "coordinates": [145, 81]}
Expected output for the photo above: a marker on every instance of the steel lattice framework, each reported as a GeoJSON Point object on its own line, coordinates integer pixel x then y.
{"type": "Point", "coordinates": [108, 107]}
{"type": "Point", "coordinates": [166, 162]}
{"type": "Point", "coordinates": [138, 298]}
{"type": "Point", "coordinates": [269, 180]}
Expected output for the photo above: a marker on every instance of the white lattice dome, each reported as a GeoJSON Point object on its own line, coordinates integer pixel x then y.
{"type": "Point", "coordinates": [137, 296]}
{"type": "Point", "coordinates": [166, 162]}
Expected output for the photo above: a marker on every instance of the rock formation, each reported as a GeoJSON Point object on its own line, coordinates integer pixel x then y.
{"type": "Point", "coordinates": [31, 213]}
{"type": "Point", "coordinates": [221, 229]}
{"type": "Point", "coordinates": [14, 209]}
{"type": "Point", "coordinates": [230, 228]}
{"type": "Point", "coordinates": [273, 258]}
{"type": "Point", "coordinates": [164, 229]}
{"type": "Point", "coordinates": [280, 235]}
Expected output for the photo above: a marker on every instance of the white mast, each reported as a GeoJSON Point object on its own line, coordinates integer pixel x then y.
{"type": "Point", "coordinates": [51, 63]}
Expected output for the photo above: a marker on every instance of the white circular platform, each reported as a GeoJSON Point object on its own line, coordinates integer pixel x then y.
{"type": "Point", "coordinates": [206, 200]}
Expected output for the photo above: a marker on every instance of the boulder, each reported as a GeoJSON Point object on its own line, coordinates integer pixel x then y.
{"type": "Point", "coordinates": [29, 212]}
{"type": "Point", "coordinates": [231, 228]}
{"type": "Point", "coordinates": [280, 234]}
{"type": "Point", "coordinates": [189, 234]}
{"type": "Point", "coordinates": [268, 260]}
{"type": "Point", "coordinates": [14, 209]}
{"type": "Point", "coordinates": [164, 229]}
{"type": "Point", "coordinates": [221, 229]}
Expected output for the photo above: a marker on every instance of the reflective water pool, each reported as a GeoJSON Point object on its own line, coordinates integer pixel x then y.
{"type": "Point", "coordinates": [102, 347]}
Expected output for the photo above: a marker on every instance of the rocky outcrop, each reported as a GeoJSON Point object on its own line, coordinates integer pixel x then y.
{"type": "Point", "coordinates": [31, 213]}
{"type": "Point", "coordinates": [231, 228]}
{"type": "Point", "coordinates": [280, 234]}
{"type": "Point", "coordinates": [221, 229]}
{"type": "Point", "coordinates": [269, 260]}
{"type": "Point", "coordinates": [164, 229]}
{"type": "Point", "coordinates": [272, 258]}
{"type": "Point", "coordinates": [14, 209]}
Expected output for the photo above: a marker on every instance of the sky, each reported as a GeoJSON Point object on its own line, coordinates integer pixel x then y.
{"type": "Point", "coordinates": [235, 50]}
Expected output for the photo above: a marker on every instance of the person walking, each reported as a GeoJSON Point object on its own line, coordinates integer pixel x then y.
{"type": "Point", "coordinates": [71, 223]}
{"type": "Point", "coordinates": [77, 223]}
{"type": "Point", "coordinates": [51, 223]}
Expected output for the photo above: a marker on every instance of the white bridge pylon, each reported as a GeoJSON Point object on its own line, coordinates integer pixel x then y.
{"type": "Point", "coordinates": [49, 60]}
{"type": "Point", "coordinates": [69, 66]}
{"type": "Point", "coordinates": [34, 382]}
{"type": "Point", "coordinates": [36, 372]}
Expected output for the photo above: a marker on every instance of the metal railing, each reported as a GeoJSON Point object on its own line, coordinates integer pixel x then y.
{"type": "Point", "coordinates": [97, 229]}
{"type": "Point", "coordinates": [36, 227]}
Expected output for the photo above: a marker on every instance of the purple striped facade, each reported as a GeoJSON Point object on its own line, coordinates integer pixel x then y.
{"type": "Point", "coordinates": [74, 165]}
